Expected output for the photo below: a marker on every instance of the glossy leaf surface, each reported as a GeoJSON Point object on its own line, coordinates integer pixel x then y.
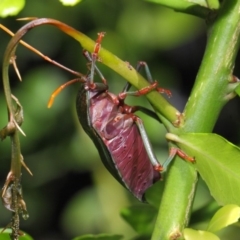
{"type": "Point", "coordinates": [225, 216]}
{"type": "Point", "coordinates": [191, 234]}
{"type": "Point", "coordinates": [218, 162]}
{"type": "Point", "coordinates": [195, 7]}
{"type": "Point", "coordinates": [182, 2]}
{"type": "Point", "coordinates": [237, 90]}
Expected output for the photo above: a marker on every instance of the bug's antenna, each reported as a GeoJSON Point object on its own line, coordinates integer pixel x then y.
{"type": "Point", "coordinates": [59, 89]}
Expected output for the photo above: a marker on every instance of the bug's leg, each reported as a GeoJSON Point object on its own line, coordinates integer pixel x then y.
{"type": "Point", "coordinates": [142, 64]}
{"type": "Point", "coordinates": [96, 50]}
{"type": "Point", "coordinates": [176, 151]}
{"type": "Point", "coordinates": [128, 85]}
{"type": "Point", "coordinates": [145, 90]}
{"type": "Point", "coordinates": [150, 79]}
{"type": "Point", "coordinates": [147, 111]}
{"type": "Point", "coordinates": [172, 153]}
{"type": "Point", "coordinates": [138, 68]}
{"type": "Point", "coordinates": [142, 91]}
{"type": "Point", "coordinates": [147, 144]}
{"type": "Point", "coordinates": [87, 55]}
{"type": "Point", "coordinates": [92, 58]}
{"type": "Point", "coordinates": [97, 46]}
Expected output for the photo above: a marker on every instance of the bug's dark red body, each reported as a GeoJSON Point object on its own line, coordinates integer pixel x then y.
{"type": "Point", "coordinates": [117, 138]}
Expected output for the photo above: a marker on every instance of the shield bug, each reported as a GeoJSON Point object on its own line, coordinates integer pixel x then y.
{"type": "Point", "coordinates": [118, 134]}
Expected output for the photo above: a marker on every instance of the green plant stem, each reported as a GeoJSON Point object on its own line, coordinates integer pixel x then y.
{"type": "Point", "coordinates": [16, 156]}
{"type": "Point", "coordinates": [209, 93]}
{"type": "Point", "coordinates": [202, 110]}
{"type": "Point", "coordinates": [13, 178]}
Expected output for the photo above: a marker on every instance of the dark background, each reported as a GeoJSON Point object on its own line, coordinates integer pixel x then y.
{"type": "Point", "coordinates": [71, 193]}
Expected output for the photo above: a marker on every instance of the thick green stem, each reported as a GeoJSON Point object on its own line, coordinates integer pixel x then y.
{"type": "Point", "coordinates": [176, 201]}
{"type": "Point", "coordinates": [204, 105]}
{"type": "Point", "coordinates": [210, 90]}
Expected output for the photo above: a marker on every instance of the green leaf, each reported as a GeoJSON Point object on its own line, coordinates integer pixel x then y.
{"type": "Point", "coordinates": [212, 4]}
{"type": "Point", "coordinates": [140, 217]}
{"type": "Point", "coordinates": [191, 234]}
{"type": "Point", "coordinates": [195, 7]}
{"type": "Point", "coordinates": [237, 90]}
{"type": "Point", "coordinates": [5, 235]}
{"type": "Point", "coordinates": [181, 3]}
{"type": "Point", "coordinates": [70, 2]}
{"type": "Point", "coordinates": [218, 162]}
{"type": "Point", "coordinates": [100, 237]}
{"type": "Point", "coordinates": [11, 7]}
{"type": "Point", "coordinates": [225, 216]}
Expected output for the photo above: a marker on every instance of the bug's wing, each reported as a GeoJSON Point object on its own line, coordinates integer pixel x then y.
{"type": "Point", "coordinates": [118, 141]}
{"type": "Point", "coordinates": [131, 159]}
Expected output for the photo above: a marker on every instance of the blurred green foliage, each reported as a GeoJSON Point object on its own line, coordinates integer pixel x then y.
{"type": "Point", "coordinates": [11, 7]}
{"type": "Point", "coordinates": [71, 193]}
